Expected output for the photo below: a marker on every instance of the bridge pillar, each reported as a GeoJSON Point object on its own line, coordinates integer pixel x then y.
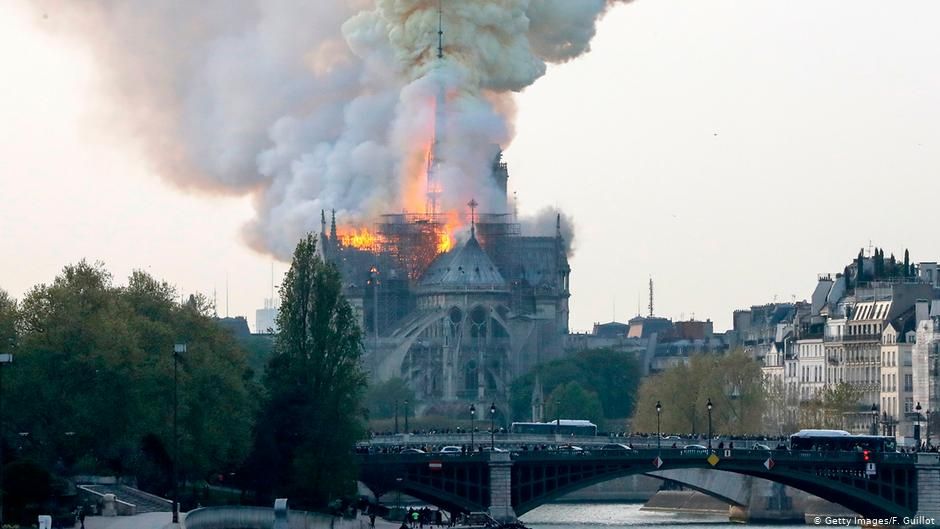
{"type": "Point", "coordinates": [768, 501]}
{"type": "Point", "coordinates": [928, 491]}
{"type": "Point", "coordinates": [501, 487]}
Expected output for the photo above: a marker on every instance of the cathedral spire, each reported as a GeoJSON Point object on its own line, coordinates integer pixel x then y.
{"type": "Point", "coordinates": [440, 29]}
{"type": "Point", "coordinates": [473, 221]}
{"type": "Point", "coordinates": [333, 227]}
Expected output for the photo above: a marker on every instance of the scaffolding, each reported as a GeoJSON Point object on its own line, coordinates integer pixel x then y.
{"type": "Point", "coordinates": [412, 240]}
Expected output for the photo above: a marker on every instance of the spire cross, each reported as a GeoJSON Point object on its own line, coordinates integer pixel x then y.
{"type": "Point", "coordinates": [473, 206]}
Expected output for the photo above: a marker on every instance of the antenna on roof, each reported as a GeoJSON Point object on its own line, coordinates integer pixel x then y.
{"type": "Point", "coordinates": [440, 29]}
{"type": "Point", "coordinates": [651, 296]}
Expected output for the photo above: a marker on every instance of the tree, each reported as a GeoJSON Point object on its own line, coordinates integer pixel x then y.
{"type": "Point", "coordinates": [613, 375]}
{"type": "Point", "coordinates": [733, 382]}
{"type": "Point", "coordinates": [836, 401]}
{"type": "Point", "coordinates": [382, 399]}
{"type": "Point", "coordinates": [907, 263]}
{"type": "Point", "coordinates": [572, 401]}
{"type": "Point", "coordinates": [93, 380]}
{"type": "Point", "coordinates": [314, 386]}
{"type": "Point", "coordinates": [8, 318]}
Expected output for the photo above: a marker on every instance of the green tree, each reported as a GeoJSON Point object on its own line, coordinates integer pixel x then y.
{"type": "Point", "coordinates": [8, 319]}
{"type": "Point", "coordinates": [383, 398]}
{"type": "Point", "coordinates": [93, 380]}
{"type": "Point", "coordinates": [572, 401]}
{"type": "Point", "coordinates": [314, 387]}
{"type": "Point", "coordinates": [733, 382]}
{"type": "Point", "coordinates": [613, 375]}
{"type": "Point", "coordinates": [836, 401]}
{"type": "Point", "coordinates": [907, 263]}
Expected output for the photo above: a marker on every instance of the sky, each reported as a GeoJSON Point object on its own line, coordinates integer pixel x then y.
{"type": "Point", "coordinates": [729, 150]}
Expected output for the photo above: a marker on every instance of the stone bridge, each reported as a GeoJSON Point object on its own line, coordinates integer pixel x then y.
{"type": "Point", "coordinates": [509, 484]}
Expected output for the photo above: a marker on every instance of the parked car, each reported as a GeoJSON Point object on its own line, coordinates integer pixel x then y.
{"type": "Point", "coordinates": [451, 450]}
{"type": "Point", "coordinates": [616, 446]}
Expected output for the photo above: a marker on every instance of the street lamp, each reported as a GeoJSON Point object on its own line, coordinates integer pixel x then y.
{"type": "Point", "coordinates": [659, 435]}
{"type": "Point", "coordinates": [709, 406]}
{"type": "Point", "coordinates": [492, 426]}
{"type": "Point", "coordinates": [473, 411]}
{"type": "Point", "coordinates": [5, 358]}
{"type": "Point", "coordinates": [406, 416]}
{"type": "Point", "coordinates": [396, 417]}
{"type": "Point", "coordinates": [874, 419]}
{"type": "Point", "coordinates": [917, 426]}
{"type": "Point", "coordinates": [178, 349]}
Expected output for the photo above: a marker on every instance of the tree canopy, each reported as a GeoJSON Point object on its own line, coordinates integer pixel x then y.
{"type": "Point", "coordinates": [733, 382]}
{"type": "Point", "coordinates": [314, 384]}
{"type": "Point", "coordinates": [92, 383]}
{"type": "Point", "coordinates": [611, 376]}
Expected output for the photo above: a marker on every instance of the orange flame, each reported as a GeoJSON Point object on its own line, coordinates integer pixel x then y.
{"type": "Point", "coordinates": [362, 239]}
{"type": "Point", "coordinates": [446, 242]}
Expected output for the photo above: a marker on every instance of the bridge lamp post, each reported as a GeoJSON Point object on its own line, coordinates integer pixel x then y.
{"type": "Point", "coordinates": [406, 416]}
{"type": "Point", "coordinates": [874, 419]}
{"type": "Point", "coordinates": [396, 417]}
{"type": "Point", "coordinates": [473, 412]}
{"type": "Point", "coordinates": [917, 425]}
{"type": "Point", "coordinates": [493, 426]}
{"type": "Point", "coordinates": [178, 350]}
{"type": "Point", "coordinates": [659, 435]}
{"type": "Point", "coordinates": [709, 406]}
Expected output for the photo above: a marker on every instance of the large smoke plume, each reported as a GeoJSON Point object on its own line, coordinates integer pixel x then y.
{"type": "Point", "coordinates": [312, 105]}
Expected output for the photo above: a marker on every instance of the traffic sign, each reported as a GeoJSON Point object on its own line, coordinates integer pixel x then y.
{"type": "Point", "coordinates": [657, 462]}
{"type": "Point", "coordinates": [435, 465]}
{"type": "Point", "coordinates": [713, 460]}
{"type": "Point", "coordinates": [870, 469]}
{"type": "Point", "coordinates": [769, 464]}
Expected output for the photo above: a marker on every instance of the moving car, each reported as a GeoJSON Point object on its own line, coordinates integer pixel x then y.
{"type": "Point", "coordinates": [616, 446]}
{"type": "Point", "coordinates": [413, 451]}
{"type": "Point", "coordinates": [451, 450]}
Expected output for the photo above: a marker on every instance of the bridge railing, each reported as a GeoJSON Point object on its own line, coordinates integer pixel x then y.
{"type": "Point", "coordinates": [512, 440]}
{"type": "Point", "coordinates": [651, 453]}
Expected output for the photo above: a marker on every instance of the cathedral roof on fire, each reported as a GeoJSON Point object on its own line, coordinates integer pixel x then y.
{"type": "Point", "coordinates": [466, 267]}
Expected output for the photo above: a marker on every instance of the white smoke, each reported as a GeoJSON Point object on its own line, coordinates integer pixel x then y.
{"type": "Point", "coordinates": [325, 104]}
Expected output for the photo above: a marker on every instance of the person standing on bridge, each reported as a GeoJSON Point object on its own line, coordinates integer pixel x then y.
{"type": "Point", "coordinates": [81, 516]}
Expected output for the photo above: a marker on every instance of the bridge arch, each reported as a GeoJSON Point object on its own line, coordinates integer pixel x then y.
{"type": "Point", "coordinates": [890, 493]}
{"type": "Point", "coordinates": [540, 477]}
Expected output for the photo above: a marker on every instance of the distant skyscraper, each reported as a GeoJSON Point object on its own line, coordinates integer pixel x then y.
{"type": "Point", "coordinates": [265, 318]}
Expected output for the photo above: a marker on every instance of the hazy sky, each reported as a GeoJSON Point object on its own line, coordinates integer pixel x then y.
{"type": "Point", "coordinates": [731, 149]}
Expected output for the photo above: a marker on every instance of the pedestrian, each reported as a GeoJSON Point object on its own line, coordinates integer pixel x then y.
{"type": "Point", "coordinates": [81, 517]}
{"type": "Point", "coordinates": [414, 518]}
{"type": "Point", "coordinates": [372, 520]}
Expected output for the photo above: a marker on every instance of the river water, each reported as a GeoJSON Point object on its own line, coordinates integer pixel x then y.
{"type": "Point", "coordinates": [614, 515]}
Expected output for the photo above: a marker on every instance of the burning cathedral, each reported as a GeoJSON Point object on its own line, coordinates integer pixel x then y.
{"type": "Point", "coordinates": [458, 317]}
{"type": "Point", "coordinates": [456, 303]}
